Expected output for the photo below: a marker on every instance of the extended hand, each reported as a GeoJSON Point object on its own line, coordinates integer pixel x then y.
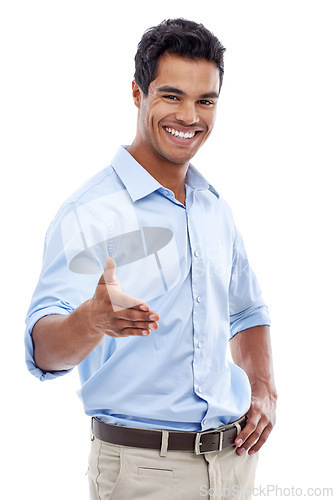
{"type": "Point", "coordinates": [118, 314]}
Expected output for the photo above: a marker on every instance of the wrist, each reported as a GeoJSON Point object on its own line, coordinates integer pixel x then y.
{"type": "Point", "coordinates": [81, 320]}
{"type": "Point", "coordinates": [263, 387]}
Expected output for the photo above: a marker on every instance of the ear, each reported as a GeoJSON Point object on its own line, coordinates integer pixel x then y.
{"type": "Point", "coordinates": [137, 94]}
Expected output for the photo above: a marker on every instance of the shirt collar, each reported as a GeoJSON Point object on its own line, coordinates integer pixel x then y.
{"type": "Point", "coordinates": [139, 183]}
{"type": "Point", "coordinates": [197, 181]}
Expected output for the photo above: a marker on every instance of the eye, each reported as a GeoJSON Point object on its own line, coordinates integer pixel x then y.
{"type": "Point", "coordinates": [206, 102]}
{"type": "Point", "coordinates": [170, 97]}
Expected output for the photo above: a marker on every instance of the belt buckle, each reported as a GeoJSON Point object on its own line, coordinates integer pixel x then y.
{"type": "Point", "coordinates": [197, 445]}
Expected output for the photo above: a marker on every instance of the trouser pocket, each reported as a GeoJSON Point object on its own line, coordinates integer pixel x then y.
{"type": "Point", "coordinates": [104, 467]}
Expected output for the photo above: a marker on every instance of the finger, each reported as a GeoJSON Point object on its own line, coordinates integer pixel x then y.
{"type": "Point", "coordinates": [243, 436]}
{"type": "Point", "coordinates": [261, 440]}
{"type": "Point", "coordinates": [142, 332]}
{"type": "Point", "coordinates": [253, 437]}
{"type": "Point", "coordinates": [121, 301]}
{"type": "Point", "coordinates": [245, 433]}
{"type": "Point", "coordinates": [129, 332]}
{"type": "Point", "coordinates": [141, 307]}
{"type": "Point", "coordinates": [122, 324]}
{"type": "Point", "coordinates": [134, 314]}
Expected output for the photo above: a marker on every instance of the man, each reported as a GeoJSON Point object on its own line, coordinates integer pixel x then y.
{"type": "Point", "coordinates": [172, 417]}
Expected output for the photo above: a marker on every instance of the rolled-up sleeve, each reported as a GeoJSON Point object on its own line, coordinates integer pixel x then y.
{"type": "Point", "coordinates": [246, 305]}
{"type": "Point", "coordinates": [75, 249]}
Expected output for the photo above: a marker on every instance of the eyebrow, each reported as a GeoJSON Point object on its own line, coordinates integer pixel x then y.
{"type": "Point", "coordinates": [175, 90]}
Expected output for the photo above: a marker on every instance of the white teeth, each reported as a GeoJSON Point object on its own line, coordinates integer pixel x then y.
{"type": "Point", "coordinates": [178, 133]}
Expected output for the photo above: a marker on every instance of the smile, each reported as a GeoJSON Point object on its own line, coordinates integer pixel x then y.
{"type": "Point", "coordinates": [179, 134]}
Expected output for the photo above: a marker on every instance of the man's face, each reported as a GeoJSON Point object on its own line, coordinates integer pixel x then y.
{"type": "Point", "coordinates": [178, 114]}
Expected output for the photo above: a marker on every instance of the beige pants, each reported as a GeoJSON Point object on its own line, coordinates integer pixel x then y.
{"type": "Point", "coordinates": [125, 473]}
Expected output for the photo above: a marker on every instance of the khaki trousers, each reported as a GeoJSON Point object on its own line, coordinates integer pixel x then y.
{"type": "Point", "coordinates": [125, 473]}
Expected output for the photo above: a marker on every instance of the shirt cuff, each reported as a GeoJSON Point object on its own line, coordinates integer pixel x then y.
{"type": "Point", "coordinates": [29, 345]}
{"type": "Point", "coordinates": [249, 318]}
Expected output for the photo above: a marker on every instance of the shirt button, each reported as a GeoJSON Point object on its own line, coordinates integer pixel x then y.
{"type": "Point", "coordinates": [196, 253]}
{"type": "Point", "coordinates": [199, 345]}
{"type": "Point", "coordinates": [167, 193]}
{"type": "Point", "coordinates": [199, 388]}
{"type": "Point", "coordinates": [198, 299]}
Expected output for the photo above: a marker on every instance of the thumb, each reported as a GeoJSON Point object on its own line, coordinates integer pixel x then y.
{"type": "Point", "coordinates": [118, 299]}
{"type": "Point", "coordinates": [109, 272]}
{"type": "Point", "coordinates": [108, 277]}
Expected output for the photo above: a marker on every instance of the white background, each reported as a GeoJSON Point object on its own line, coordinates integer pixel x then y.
{"type": "Point", "coordinates": [66, 106]}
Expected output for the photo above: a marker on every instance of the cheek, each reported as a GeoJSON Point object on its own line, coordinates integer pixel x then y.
{"type": "Point", "coordinates": [155, 116]}
{"type": "Point", "coordinates": [210, 120]}
{"type": "Point", "coordinates": [159, 111]}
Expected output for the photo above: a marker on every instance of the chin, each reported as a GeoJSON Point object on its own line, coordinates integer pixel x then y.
{"type": "Point", "coordinates": [178, 158]}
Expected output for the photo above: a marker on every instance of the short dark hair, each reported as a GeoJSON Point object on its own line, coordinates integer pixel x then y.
{"type": "Point", "coordinates": [175, 36]}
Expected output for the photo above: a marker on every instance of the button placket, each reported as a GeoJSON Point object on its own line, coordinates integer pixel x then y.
{"type": "Point", "coordinates": [198, 313]}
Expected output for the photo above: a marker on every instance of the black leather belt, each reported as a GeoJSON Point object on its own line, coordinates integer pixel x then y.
{"type": "Point", "coordinates": [198, 442]}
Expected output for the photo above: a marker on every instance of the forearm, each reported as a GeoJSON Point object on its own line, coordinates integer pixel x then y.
{"type": "Point", "coordinates": [251, 351]}
{"type": "Point", "coordinates": [62, 342]}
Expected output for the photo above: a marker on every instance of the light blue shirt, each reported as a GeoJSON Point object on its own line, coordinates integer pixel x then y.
{"type": "Point", "coordinates": [189, 263]}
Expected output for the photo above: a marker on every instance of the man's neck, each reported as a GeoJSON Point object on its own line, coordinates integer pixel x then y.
{"type": "Point", "coordinates": [168, 174]}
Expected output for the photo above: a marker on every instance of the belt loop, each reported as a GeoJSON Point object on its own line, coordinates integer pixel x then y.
{"type": "Point", "coordinates": [164, 445]}
{"type": "Point", "coordinates": [92, 435]}
{"type": "Point", "coordinates": [238, 427]}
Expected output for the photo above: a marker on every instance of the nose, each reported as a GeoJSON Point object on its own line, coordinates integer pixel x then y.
{"type": "Point", "coordinates": [187, 113]}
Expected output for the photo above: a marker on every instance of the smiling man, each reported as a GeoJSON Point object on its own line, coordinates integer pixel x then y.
{"type": "Point", "coordinates": [172, 417]}
{"type": "Point", "coordinates": [176, 116]}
